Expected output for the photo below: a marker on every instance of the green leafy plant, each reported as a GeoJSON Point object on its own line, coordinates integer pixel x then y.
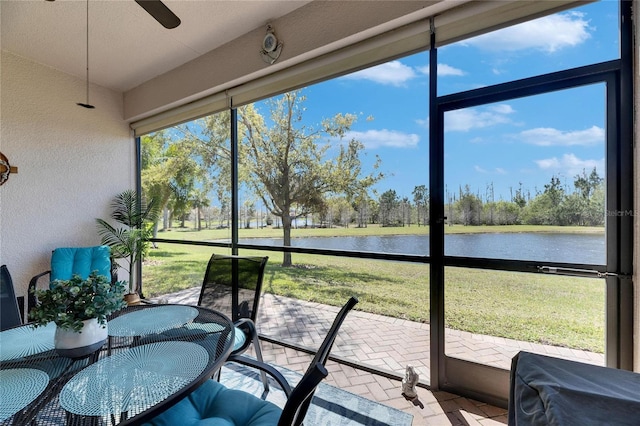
{"type": "Point", "coordinates": [129, 239]}
{"type": "Point", "coordinates": [69, 302]}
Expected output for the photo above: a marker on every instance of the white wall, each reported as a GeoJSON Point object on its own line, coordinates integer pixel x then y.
{"type": "Point", "coordinates": [71, 162]}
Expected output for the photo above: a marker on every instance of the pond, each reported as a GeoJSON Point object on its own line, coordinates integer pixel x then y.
{"type": "Point", "coordinates": [566, 248]}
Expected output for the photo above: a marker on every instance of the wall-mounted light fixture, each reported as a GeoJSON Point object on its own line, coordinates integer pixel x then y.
{"type": "Point", "coordinates": [271, 47]}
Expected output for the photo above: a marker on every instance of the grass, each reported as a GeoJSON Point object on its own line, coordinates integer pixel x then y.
{"type": "Point", "coordinates": [547, 309]}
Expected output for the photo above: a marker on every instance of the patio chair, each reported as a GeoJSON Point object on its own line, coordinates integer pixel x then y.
{"type": "Point", "coordinates": [213, 403]}
{"type": "Point", "coordinates": [232, 285]}
{"type": "Point", "coordinates": [68, 261]}
{"type": "Point", "coordinates": [9, 309]}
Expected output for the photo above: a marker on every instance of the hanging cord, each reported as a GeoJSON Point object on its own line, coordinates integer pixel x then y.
{"type": "Point", "coordinates": [87, 105]}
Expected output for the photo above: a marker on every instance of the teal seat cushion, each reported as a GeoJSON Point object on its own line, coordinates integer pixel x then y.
{"type": "Point", "coordinates": [68, 261]}
{"type": "Point", "coordinates": [240, 338]}
{"type": "Point", "coordinates": [213, 404]}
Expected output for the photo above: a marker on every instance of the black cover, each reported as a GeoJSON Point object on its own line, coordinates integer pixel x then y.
{"type": "Point", "coordinates": [554, 391]}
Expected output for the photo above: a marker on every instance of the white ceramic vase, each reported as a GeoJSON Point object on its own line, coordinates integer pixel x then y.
{"type": "Point", "coordinates": [73, 344]}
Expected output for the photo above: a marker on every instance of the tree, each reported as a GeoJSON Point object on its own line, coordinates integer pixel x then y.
{"type": "Point", "coordinates": [519, 197]}
{"type": "Point", "coordinates": [571, 211]}
{"type": "Point", "coordinates": [199, 200]}
{"type": "Point", "coordinates": [183, 180]}
{"type": "Point", "coordinates": [249, 211]}
{"type": "Point", "coordinates": [586, 185]}
{"type": "Point", "coordinates": [405, 211]}
{"type": "Point", "coordinates": [342, 212]}
{"type": "Point", "coordinates": [468, 207]}
{"type": "Point", "coordinates": [289, 166]}
{"type": "Point", "coordinates": [156, 173]}
{"type": "Point", "coordinates": [207, 142]}
{"type": "Point", "coordinates": [544, 209]}
{"type": "Point", "coordinates": [361, 204]}
{"type": "Point", "coordinates": [389, 205]}
{"type": "Point", "coordinates": [421, 200]}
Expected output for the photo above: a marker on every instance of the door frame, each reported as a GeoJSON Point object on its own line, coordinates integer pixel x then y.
{"type": "Point", "coordinates": [489, 383]}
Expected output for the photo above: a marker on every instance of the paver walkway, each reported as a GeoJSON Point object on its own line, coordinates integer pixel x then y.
{"type": "Point", "coordinates": [382, 342]}
{"type": "Point", "coordinates": [386, 344]}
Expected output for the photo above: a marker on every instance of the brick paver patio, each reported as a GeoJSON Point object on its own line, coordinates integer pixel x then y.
{"type": "Point", "coordinates": [388, 345]}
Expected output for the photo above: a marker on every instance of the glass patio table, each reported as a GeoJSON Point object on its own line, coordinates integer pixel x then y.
{"type": "Point", "coordinates": [155, 356]}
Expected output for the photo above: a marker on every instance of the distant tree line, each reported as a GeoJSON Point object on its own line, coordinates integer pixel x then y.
{"type": "Point", "coordinates": [580, 205]}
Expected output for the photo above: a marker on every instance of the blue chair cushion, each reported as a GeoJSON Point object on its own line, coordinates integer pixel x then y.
{"type": "Point", "coordinates": [68, 261]}
{"type": "Point", "coordinates": [213, 404]}
{"type": "Point", "coordinates": [239, 340]}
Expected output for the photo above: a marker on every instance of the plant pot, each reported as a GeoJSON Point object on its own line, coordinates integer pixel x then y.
{"type": "Point", "coordinates": [132, 299]}
{"type": "Point", "coordinates": [74, 344]}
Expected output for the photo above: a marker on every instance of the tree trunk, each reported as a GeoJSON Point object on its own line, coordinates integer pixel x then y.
{"type": "Point", "coordinates": [286, 226]}
{"type": "Point", "coordinates": [165, 219]}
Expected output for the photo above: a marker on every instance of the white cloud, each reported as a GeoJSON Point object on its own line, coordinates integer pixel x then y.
{"type": "Point", "coordinates": [548, 163]}
{"type": "Point", "coordinates": [443, 70]}
{"type": "Point", "coordinates": [385, 138]}
{"type": "Point", "coordinates": [497, 170]}
{"type": "Point", "coordinates": [569, 164]}
{"type": "Point", "coordinates": [547, 34]}
{"type": "Point", "coordinates": [423, 122]}
{"type": "Point", "coordinates": [393, 73]}
{"type": "Point", "coordinates": [546, 136]}
{"type": "Point", "coordinates": [502, 109]}
{"type": "Point", "coordinates": [464, 120]}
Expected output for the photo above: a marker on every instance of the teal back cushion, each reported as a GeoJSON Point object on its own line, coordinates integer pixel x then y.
{"type": "Point", "coordinates": [68, 261]}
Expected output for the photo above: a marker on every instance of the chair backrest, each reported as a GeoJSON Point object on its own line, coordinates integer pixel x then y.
{"type": "Point", "coordinates": [9, 310]}
{"type": "Point", "coordinates": [69, 261]}
{"type": "Point", "coordinates": [298, 402]}
{"type": "Point", "coordinates": [232, 285]}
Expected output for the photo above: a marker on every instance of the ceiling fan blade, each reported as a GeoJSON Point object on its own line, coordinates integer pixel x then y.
{"type": "Point", "coordinates": [160, 12]}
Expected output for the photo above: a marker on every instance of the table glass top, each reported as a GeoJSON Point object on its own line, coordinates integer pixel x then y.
{"type": "Point", "coordinates": [18, 387]}
{"type": "Point", "coordinates": [24, 341]}
{"type": "Point", "coordinates": [154, 320]}
{"type": "Point", "coordinates": [134, 379]}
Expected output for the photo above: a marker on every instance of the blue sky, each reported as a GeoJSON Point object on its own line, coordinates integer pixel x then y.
{"type": "Point", "coordinates": [520, 142]}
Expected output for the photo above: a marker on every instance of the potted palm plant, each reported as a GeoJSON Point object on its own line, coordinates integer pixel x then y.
{"type": "Point", "coordinates": [79, 308]}
{"type": "Point", "coordinates": [129, 238]}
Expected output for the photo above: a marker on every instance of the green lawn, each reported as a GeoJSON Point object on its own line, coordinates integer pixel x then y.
{"type": "Point", "coordinates": [547, 309]}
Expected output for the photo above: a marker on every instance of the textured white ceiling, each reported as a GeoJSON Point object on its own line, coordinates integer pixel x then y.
{"type": "Point", "coordinates": [126, 45]}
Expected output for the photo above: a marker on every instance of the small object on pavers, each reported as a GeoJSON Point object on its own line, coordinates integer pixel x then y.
{"type": "Point", "coordinates": [409, 382]}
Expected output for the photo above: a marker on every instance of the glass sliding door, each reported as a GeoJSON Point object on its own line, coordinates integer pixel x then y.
{"type": "Point", "coordinates": [525, 182]}
{"type": "Point", "coordinates": [527, 161]}
{"type": "Point", "coordinates": [525, 247]}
